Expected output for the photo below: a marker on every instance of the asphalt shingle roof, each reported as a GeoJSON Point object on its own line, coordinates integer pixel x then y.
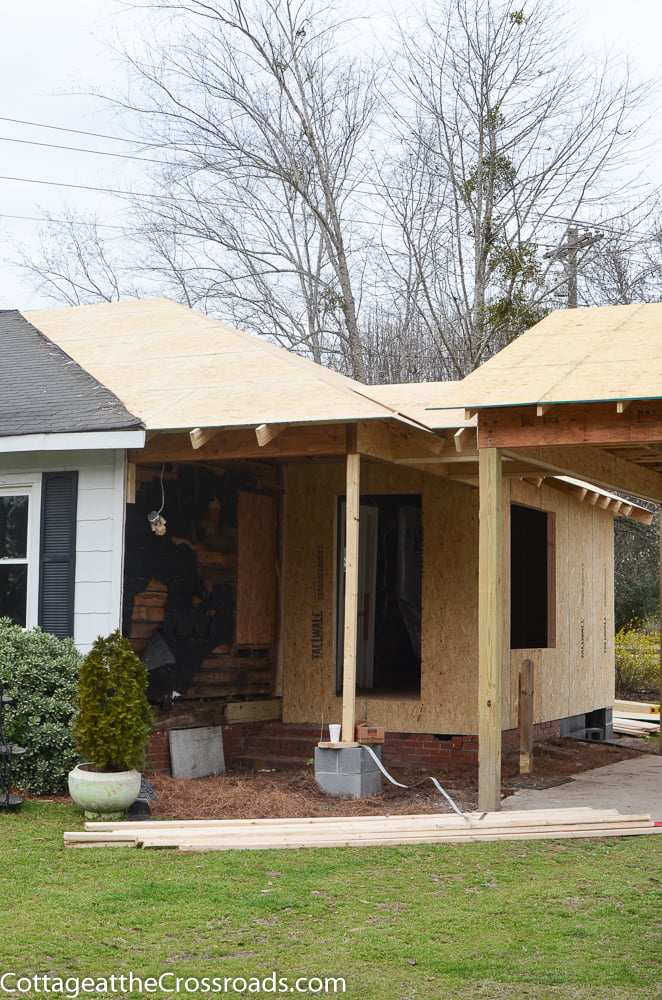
{"type": "Point", "coordinates": [43, 391]}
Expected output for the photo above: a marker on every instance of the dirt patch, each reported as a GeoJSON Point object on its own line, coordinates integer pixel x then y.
{"type": "Point", "coordinates": [295, 793]}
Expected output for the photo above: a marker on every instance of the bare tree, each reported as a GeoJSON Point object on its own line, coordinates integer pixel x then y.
{"type": "Point", "coordinates": [509, 138]}
{"type": "Point", "coordinates": [626, 269]}
{"type": "Point", "coordinates": [403, 240]}
{"type": "Point", "coordinates": [265, 125]}
{"type": "Point", "coordinates": [76, 264]}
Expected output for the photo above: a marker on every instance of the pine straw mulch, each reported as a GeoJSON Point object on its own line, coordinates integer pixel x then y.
{"type": "Point", "coordinates": [295, 793]}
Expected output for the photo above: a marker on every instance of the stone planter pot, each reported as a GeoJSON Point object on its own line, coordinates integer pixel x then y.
{"type": "Point", "coordinates": [103, 794]}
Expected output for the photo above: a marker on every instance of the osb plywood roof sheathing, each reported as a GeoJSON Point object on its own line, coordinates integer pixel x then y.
{"type": "Point", "coordinates": [178, 369]}
{"type": "Point", "coordinates": [415, 399]}
{"type": "Point", "coordinates": [573, 355]}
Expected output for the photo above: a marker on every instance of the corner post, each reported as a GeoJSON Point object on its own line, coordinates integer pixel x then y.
{"type": "Point", "coordinates": [352, 510]}
{"type": "Point", "coordinates": [490, 628]}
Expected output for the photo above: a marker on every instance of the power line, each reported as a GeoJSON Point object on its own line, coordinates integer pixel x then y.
{"type": "Point", "coordinates": [79, 149]}
{"type": "Point", "coordinates": [66, 222]}
{"type": "Point", "coordinates": [75, 131]}
{"type": "Point", "coordinates": [85, 187]}
{"type": "Point", "coordinates": [375, 189]}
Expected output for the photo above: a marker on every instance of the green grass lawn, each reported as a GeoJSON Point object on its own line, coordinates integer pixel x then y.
{"type": "Point", "coordinates": [564, 920]}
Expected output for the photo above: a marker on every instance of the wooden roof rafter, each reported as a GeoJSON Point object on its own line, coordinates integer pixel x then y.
{"type": "Point", "coordinates": [583, 493]}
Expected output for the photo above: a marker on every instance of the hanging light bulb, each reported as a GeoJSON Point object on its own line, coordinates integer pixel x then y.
{"type": "Point", "coordinates": [157, 522]}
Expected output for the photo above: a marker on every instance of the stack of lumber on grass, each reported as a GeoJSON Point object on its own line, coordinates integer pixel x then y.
{"type": "Point", "coordinates": [343, 831]}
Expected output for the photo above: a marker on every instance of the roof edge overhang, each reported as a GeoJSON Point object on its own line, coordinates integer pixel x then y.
{"type": "Point", "coordinates": [74, 441]}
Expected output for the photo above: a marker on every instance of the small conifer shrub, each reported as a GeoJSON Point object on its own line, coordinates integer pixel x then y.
{"type": "Point", "coordinates": [113, 719]}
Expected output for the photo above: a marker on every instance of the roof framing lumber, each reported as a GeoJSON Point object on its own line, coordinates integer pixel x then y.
{"type": "Point", "coordinates": [386, 440]}
{"type": "Point", "coordinates": [295, 441]}
{"type": "Point", "coordinates": [399, 443]}
{"type": "Point", "coordinates": [596, 466]}
{"type": "Point", "coordinates": [267, 432]}
{"type": "Point", "coordinates": [461, 437]}
{"type": "Point", "coordinates": [199, 437]}
{"type": "Point", "coordinates": [571, 423]}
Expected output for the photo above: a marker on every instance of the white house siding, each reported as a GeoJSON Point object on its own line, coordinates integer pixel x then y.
{"type": "Point", "coordinates": [99, 531]}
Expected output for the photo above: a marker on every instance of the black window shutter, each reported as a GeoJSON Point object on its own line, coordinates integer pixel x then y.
{"type": "Point", "coordinates": [57, 560]}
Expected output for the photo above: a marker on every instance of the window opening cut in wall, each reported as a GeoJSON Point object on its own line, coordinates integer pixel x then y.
{"type": "Point", "coordinates": [390, 585]}
{"type": "Point", "coordinates": [532, 578]}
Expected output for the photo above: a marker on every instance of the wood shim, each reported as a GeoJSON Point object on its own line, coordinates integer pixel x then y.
{"type": "Point", "coordinates": [341, 831]}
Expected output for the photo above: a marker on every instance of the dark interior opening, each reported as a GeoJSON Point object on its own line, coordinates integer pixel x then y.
{"type": "Point", "coordinates": [529, 578]}
{"type": "Point", "coordinates": [389, 595]}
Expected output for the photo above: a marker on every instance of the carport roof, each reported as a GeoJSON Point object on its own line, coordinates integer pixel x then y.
{"type": "Point", "coordinates": [608, 353]}
{"type": "Point", "coordinates": [178, 369]}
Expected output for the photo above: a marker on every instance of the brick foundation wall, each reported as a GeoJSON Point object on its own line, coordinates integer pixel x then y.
{"type": "Point", "coordinates": [420, 750]}
{"type": "Point", "coordinates": [235, 739]}
{"type": "Point", "coordinates": [427, 750]}
{"type": "Point", "coordinates": [158, 754]}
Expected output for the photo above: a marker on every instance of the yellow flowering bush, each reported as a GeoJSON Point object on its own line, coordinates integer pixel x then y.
{"type": "Point", "coordinates": [638, 661]}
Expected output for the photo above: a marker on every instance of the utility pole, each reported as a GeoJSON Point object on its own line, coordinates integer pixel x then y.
{"type": "Point", "coordinates": [570, 256]}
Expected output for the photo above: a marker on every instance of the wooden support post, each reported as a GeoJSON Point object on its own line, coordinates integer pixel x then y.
{"type": "Point", "coordinates": [352, 509]}
{"type": "Point", "coordinates": [525, 717]}
{"type": "Point", "coordinates": [659, 511]}
{"type": "Point", "coordinates": [130, 482]}
{"type": "Point", "coordinates": [490, 629]}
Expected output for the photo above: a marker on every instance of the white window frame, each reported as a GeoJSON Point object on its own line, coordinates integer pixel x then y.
{"type": "Point", "coordinates": [29, 486]}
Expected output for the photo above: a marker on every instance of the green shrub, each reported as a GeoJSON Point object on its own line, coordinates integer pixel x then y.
{"type": "Point", "coordinates": [113, 720]}
{"type": "Point", "coordinates": [638, 661]}
{"type": "Point", "coordinates": [40, 673]}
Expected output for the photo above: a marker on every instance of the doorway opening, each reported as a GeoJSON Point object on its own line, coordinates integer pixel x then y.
{"type": "Point", "coordinates": [390, 587]}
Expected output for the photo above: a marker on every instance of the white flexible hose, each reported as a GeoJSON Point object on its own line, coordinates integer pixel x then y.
{"type": "Point", "coordinates": [400, 785]}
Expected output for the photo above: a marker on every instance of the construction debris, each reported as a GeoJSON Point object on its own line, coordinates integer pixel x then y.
{"type": "Point", "coordinates": [368, 831]}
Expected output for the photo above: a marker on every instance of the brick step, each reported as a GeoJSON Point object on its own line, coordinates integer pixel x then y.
{"type": "Point", "coordinates": [300, 730]}
{"type": "Point", "coordinates": [282, 745]}
{"type": "Point", "coordinates": [266, 761]}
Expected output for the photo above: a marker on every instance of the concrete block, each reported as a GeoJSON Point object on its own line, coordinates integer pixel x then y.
{"type": "Point", "coordinates": [196, 753]}
{"type": "Point", "coordinates": [348, 772]}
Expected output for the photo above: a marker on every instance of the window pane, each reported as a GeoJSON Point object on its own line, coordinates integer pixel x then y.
{"type": "Point", "coordinates": [13, 527]}
{"type": "Point", "coordinates": [13, 593]}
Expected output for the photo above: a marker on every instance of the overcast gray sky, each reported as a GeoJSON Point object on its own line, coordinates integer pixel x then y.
{"type": "Point", "coordinates": [52, 51]}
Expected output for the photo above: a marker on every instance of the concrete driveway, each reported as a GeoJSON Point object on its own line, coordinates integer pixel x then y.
{"type": "Point", "coordinates": [631, 786]}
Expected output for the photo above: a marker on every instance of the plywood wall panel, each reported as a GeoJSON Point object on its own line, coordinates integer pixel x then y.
{"type": "Point", "coordinates": [256, 570]}
{"type": "Point", "coordinates": [565, 683]}
{"type": "Point", "coordinates": [449, 626]}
